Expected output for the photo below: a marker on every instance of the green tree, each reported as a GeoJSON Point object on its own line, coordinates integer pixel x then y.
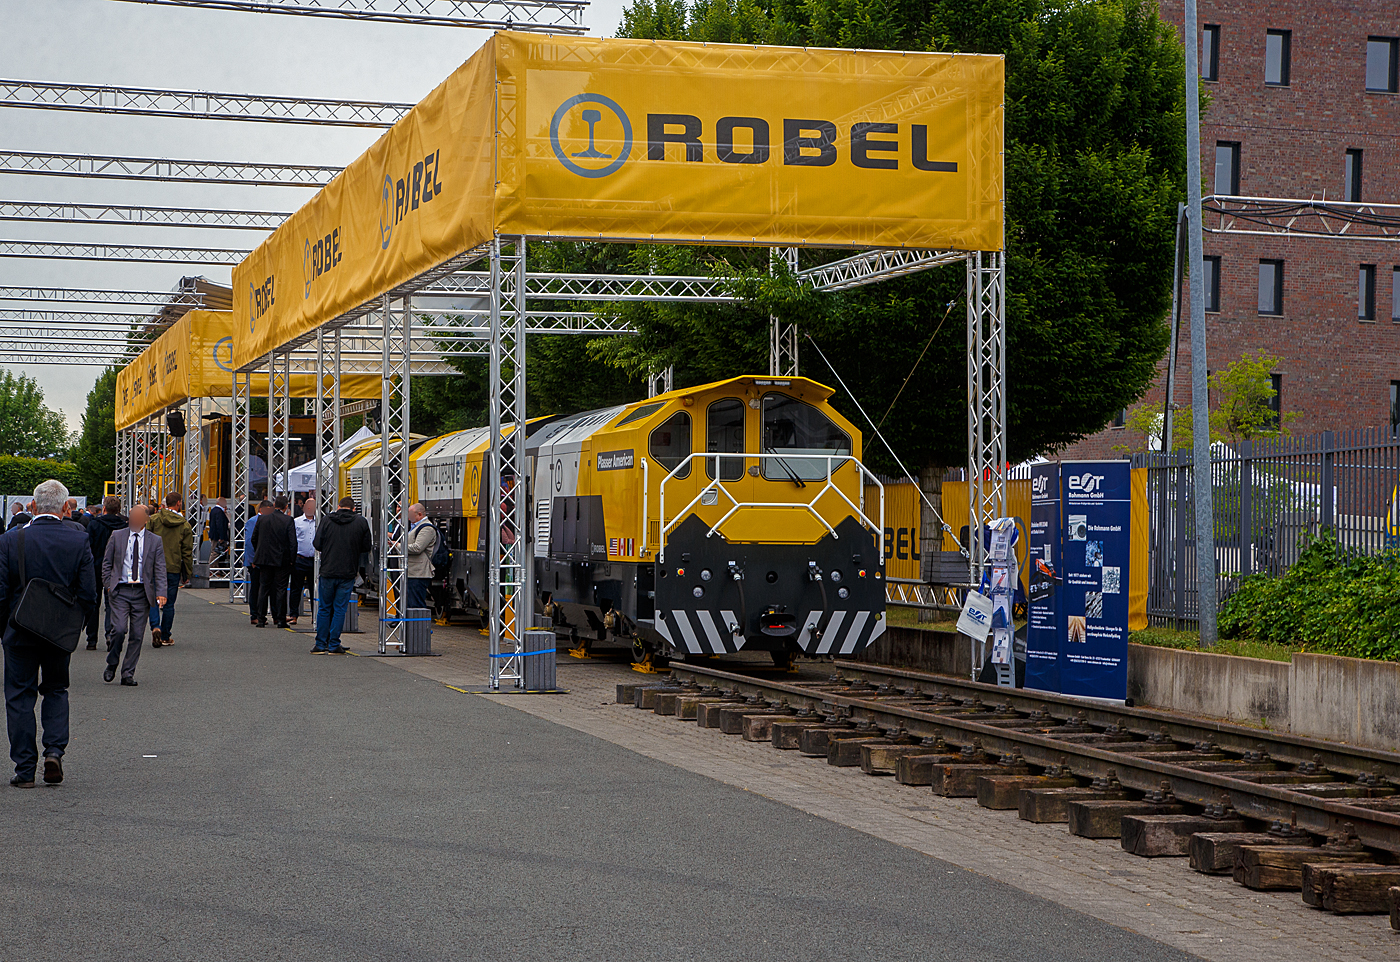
{"type": "Point", "coordinates": [1095, 165]}
{"type": "Point", "coordinates": [1245, 407]}
{"type": "Point", "coordinates": [28, 429]}
{"type": "Point", "coordinates": [95, 454]}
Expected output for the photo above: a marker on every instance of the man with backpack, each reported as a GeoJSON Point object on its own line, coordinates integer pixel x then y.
{"type": "Point", "coordinates": [420, 546]}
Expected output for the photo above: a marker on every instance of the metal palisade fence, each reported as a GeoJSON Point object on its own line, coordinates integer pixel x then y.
{"type": "Point", "coordinates": [1271, 497]}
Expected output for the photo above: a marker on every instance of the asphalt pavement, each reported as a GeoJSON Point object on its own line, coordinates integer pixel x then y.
{"type": "Point", "coordinates": [251, 801]}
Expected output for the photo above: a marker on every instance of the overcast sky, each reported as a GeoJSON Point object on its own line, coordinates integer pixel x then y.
{"type": "Point", "coordinates": [130, 44]}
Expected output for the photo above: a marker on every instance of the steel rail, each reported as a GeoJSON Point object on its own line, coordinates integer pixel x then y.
{"type": "Point", "coordinates": [112, 167]}
{"type": "Point", "coordinates": [1377, 829]}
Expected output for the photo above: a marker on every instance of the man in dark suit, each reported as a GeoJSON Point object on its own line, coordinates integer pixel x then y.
{"type": "Point", "coordinates": [56, 552]}
{"type": "Point", "coordinates": [133, 573]}
{"type": "Point", "coordinates": [274, 552]}
{"type": "Point", "coordinates": [18, 516]}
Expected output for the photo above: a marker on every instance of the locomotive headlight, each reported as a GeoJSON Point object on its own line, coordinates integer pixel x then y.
{"type": "Point", "coordinates": [698, 591]}
{"type": "Point", "coordinates": [843, 592]}
{"type": "Point", "coordinates": [834, 575]}
{"type": "Point", "coordinates": [705, 575]}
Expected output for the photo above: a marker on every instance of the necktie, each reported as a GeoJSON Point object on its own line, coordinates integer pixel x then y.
{"type": "Point", "coordinates": [133, 574]}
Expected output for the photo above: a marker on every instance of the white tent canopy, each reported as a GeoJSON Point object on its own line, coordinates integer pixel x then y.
{"type": "Point", "coordinates": [303, 477]}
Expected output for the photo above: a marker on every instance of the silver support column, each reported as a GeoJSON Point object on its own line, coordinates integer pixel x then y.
{"type": "Point", "coordinates": [328, 423]}
{"type": "Point", "coordinates": [139, 455]}
{"type": "Point", "coordinates": [986, 401]}
{"type": "Point", "coordinates": [279, 422]}
{"type": "Point", "coordinates": [662, 381]}
{"type": "Point", "coordinates": [1203, 496]}
{"type": "Point", "coordinates": [782, 338]}
{"type": "Point", "coordinates": [509, 574]}
{"type": "Point", "coordinates": [193, 471]}
{"type": "Point", "coordinates": [238, 476]}
{"type": "Point", "coordinates": [397, 334]}
{"type": "Point", "coordinates": [123, 469]}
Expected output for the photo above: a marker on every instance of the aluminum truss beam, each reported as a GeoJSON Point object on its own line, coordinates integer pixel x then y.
{"type": "Point", "coordinates": [595, 287]}
{"type": "Point", "coordinates": [551, 16]}
{"type": "Point", "coordinates": [193, 488]}
{"type": "Point", "coordinates": [510, 575]}
{"type": "Point", "coordinates": [53, 295]}
{"type": "Point", "coordinates": [115, 325]}
{"type": "Point", "coordinates": [279, 426]}
{"type": "Point", "coordinates": [198, 104]}
{"type": "Point", "coordinates": [782, 337]}
{"type": "Point", "coordinates": [27, 210]}
{"type": "Point", "coordinates": [108, 167]}
{"type": "Point", "coordinates": [878, 265]}
{"type": "Point", "coordinates": [135, 253]}
{"type": "Point", "coordinates": [23, 353]}
{"type": "Point", "coordinates": [394, 476]}
{"type": "Point", "coordinates": [238, 508]}
{"type": "Point", "coordinates": [1284, 217]}
{"type": "Point", "coordinates": [986, 402]}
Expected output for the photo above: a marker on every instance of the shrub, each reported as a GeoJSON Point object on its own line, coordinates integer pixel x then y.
{"type": "Point", "coordinates": [1332, 601]}
{"type": "Point", "coordinates": [23, 475]}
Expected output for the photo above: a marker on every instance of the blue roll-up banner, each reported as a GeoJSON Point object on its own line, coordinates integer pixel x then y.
{"type": "Point", "coordinates": [1093, 599]}
{"type": "Point", "coordinates": [1044, 627]}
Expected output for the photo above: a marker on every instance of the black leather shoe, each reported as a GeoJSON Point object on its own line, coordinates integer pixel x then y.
{"type": "Point", "coordinates": [53, 770]}
{"type": "Point", "coordinates": [19, 782]}
{"type": "Point", "coordinates": [92, 647]}
{"type": "Point", "coordinates": [109, 674]}
{"type": "Point", "coordinates": [131, 682]}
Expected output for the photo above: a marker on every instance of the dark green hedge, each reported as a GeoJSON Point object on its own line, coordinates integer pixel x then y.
{"type": "Point", "coordinates": [1332, 601]}
{"type": "Point", "coordinates": [23, 475]}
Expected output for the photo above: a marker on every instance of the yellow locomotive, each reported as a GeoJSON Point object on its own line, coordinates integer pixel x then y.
{"type": "Point", "coordinates": [733, 516]}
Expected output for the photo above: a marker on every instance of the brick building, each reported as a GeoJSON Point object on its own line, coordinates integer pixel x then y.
{"type": "Point", "coordinates": [1303, 105]}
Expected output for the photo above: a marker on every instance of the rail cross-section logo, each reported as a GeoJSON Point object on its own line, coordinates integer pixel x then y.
{"type": "Point", "coordinates": [591, 135]}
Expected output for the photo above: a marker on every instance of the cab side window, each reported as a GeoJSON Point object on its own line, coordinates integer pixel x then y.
{"type": "Point", "coordinates": [724, 434]}
{"type": "Point", "coordinates": [669, 443]}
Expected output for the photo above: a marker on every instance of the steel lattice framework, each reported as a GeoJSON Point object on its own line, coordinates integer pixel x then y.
{"type": "Point", "coordinates": [198, 104]}
{"type": "Point", "coordinates": [782, 338]}
{"type": "Point", "coordinates": [108, 167]}
{"type": "Point", "coordinates": [1275, 216]}
{"type": "Point", "coordinates": [54, 295]}
{"type": "Point", "coordinates": [870, 267]}
{"type": "Point", "coordinates": [134, 253]}
{"type": "Point", "coordinates": [29, 210]}
{"type": "Point", "coordinates": [986, 386]}
{"type": "Point", "coordinates": [552, 16]}
{"type": "Point", "coordinates": [397, 353]}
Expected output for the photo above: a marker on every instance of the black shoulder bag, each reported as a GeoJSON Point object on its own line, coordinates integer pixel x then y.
{"type": "Point", "coordinates": [46, 610]}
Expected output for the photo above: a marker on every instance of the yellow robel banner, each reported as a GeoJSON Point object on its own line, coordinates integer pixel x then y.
{"type": "Point", "coordinates": [194, 358]}
{"type": "Point", "coordinates": [643, 141]}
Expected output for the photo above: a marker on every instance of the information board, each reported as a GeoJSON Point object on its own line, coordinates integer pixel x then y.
{"type": "Point", "coordinates": [1044, 626]}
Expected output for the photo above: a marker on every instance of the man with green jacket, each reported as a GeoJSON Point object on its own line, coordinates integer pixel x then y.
{"type": "Point", "coordinates": [178, 538]}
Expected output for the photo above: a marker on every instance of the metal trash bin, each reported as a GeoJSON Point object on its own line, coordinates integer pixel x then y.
{"type": "Point", "coordinates": [539, 667]}
{"type": "Point", "coordinates": [351, 624]}
{"type": "Point", "coordinates": [418, 631]}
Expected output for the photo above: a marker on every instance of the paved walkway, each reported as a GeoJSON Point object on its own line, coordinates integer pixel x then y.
{"type": "Point", "coordinates": [250, 801]}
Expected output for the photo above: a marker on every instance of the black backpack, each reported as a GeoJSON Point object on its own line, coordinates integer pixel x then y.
{"type": "Point", "coordinates": [442, 554]}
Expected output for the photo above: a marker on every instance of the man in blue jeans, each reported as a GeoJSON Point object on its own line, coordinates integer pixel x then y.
{"type": "Point", "coordinates": [177, 536]}
{"type": "Point", "coordinates": [341, 538]}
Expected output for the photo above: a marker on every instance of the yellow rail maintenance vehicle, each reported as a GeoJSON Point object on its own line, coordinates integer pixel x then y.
{"type": "Point", "coordinates": [728, 517]}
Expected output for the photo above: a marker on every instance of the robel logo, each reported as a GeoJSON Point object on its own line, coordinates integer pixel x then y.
{"type": "Point", "coordinates": [398, 198]}
{"type": "Point", "coordinates": [223, 348]}
{"type": "Point", "coordinates": [319, 256]}
{"type": "Point", "coordinates": [260, 300]}
{"type": "Point", "coordinates": [590, 123]}
{"type": "Point", "coordinates": [592, 137]}
{"type": "Point", "coordinates": [1086, 483]}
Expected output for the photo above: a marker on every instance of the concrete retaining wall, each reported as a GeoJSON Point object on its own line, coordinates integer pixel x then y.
{"type": "Point", "coordinates": [1347, 700]}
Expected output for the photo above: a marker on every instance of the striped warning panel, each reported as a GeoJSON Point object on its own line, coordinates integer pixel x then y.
{"type": "Point", "coordinates": [706, 632]}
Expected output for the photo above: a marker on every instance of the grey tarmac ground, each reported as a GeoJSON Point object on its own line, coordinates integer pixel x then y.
{"type": "Point", "coordinates": [251, 801]}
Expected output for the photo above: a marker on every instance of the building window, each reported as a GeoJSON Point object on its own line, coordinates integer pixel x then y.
{"type": "Point", "coordinates": [1276, 44]}
{"type": "Point", "coordinates": [1275, 402]}
{"type": "Point", "coordinates": [1211, 276]}
{"type": "Point", "coordinates": [1395, 293]}
{"type": "Point", "coordinates": [1210, 52]}
{"type": "Point", "coordinates": [1394, 405]}
{"type": "Point", "coordinates": [1366, 293]}
{"type": "Point", "coordinates": [1381, 57]}
{"type": "Point", "coordinates": [1227, 168]}
{"type": "Point", "coordinates": [1120, 418]}
{"type": "Point", "coordinates": [1270, 287]}
{"type": "Point", "coordinates": [1351, 177]}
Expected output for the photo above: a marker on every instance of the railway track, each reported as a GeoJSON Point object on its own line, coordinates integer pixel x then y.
{"type": "Point", "coordinates": [1273, 810]}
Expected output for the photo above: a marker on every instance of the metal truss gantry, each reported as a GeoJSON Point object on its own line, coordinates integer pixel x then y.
{"type": "Point", "coordinates": [397, 353]}
{"type": "Point", "coordinates": [238, 585]}
{"type": "Point", "coordinates": [782, 337]}
{"type": "Point", "coordinates": [986, 397]}
{"type": "Point", "coordinates": [198, 104]}
{"type": "Point", "coordinates": [110, 167]}
{"type": "Point", "coordinates": [51, 213]}
{"type": "Point", "coordinates": [552, 16]}
{"type": "Point", "coordinates": [54, 295]}
{"type": "Point", "coordinates": [133, 253]}
{"type": "Point", "coordinates": [1284, 217]}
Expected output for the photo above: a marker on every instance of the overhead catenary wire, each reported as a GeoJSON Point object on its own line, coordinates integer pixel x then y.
{"type": "Point", "coordinates": [923, 497]}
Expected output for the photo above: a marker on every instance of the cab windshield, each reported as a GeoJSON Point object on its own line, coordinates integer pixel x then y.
{"type": "Point", "coordinates": [791, 426]}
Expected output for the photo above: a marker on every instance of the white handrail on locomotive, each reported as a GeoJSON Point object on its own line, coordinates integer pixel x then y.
{"type": "Point", "coordinates": [715, 484]}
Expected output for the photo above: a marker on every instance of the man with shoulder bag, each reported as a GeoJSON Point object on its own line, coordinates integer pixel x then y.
{"type": "Point", "coordinates": [46, 584]}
